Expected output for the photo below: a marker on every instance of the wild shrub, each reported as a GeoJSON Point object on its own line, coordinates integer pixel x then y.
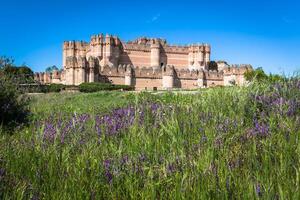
{"type": "Point", "coordinates": [95, 87]}
{"type": "Point", "coordinates": [55, 87]}
{"type": "Point", "coordinates": [13, 105]}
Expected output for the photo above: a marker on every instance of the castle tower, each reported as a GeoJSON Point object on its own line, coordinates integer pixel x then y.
{"type": "Point", "coordinates": [108, 51]}
{"type": "Point", "coordinates": [96, 46]}
{"type": "Point", "coordinates": [116, 51]}
{"type": "Point", "coordinates": [41, 75]}
{"type": "Point", "coordinates": [234, 74]}
{"type": "Point", "coordinates": [65, 49]}
{"type": "Point", "coordinates": [71, 49]}
{"type": "Point", "coordinates": [80, 72]}
{"type": "Point", "coordinates": [37, 77]}
{"type": "Point", "coordinates": [55, 77]}
{"type": "Point", "coordinates": [191, 56]}
{"type": "Point", "coordinates": [207, 54]}
{"type": "Point", "coordinates": [200, 80]}
{"type": "Point", "coordinates": [201, 55]}
{"type": "Point", "coordinates": [68, 51]}
{"type": "Point", "coordinates": [196, 57]}
{"type": "Point", "coordinates": [91, 69]}
{"type": "Point", "coordinates": [155, 54]}
{"type": "Point", "coordinates": [168, 77]}
{"type": "Point", "coordinates": [81, 48]}
{"type": "Point", "coordinates": [128, 75]}
{"type": "Point", "coordinates": [71, 63]}
{"type": "Point", "coordinates": [47, 78]}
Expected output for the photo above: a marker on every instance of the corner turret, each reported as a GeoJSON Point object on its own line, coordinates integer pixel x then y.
{"type": "Point", "coordinates": [155, 54]}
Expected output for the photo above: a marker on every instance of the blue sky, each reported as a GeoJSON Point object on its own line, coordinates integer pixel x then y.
{"type": "Point", "coordinates": [262, 33]}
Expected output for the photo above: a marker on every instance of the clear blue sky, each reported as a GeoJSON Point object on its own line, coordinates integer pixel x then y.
{"type": "Point", "coordinates": [261, 33]}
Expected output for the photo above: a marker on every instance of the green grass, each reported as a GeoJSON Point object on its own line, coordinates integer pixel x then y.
{"type": "Point", "coordinates": [193, 146]}
{"type": "Point", "coordinates": [53, 103]}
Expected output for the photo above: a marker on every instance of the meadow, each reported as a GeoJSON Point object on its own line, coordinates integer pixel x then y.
{"type": "Point", "coordinates": [219, 143]}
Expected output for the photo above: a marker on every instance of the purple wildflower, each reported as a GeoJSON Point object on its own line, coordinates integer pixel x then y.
{"type": "Point", "coordinates": [107, 163]}
{"type": "Point", "coordinates": [49, 131]}
{"type": "Point", "coordinates": [171, 168]}
{"type": "Point", "coordinates": [204, 138]}
{"type": "Point", "coordinates": [108, 176]}
{"type": "Point", "coordinates": [124, 160]}
{"type": "Point", "coordinates": [142, 158]}
{"type": "Point", "coordinates": [2, 173]}
{"type": "Point", "coordinates": [258, 190]}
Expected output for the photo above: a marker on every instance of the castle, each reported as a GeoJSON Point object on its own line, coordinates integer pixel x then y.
{"type": "Point", "coordinates": [144, 63]}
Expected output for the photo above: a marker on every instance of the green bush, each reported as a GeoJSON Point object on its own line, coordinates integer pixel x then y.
{"type": "Point", "coordinates": [259, 75]}
{"type": "Point", "coordinates": [13, 105]}
{"type": "Point", "coordinates": [55, 87]}
{"type": "Point", "coordinates": [39, 88]}
{"type": "Point", "coordinates": [32, 88]}
{"type": "Point", "coordinates": [95, 87]}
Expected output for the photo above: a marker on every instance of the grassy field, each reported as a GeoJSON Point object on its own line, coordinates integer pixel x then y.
{"type": "Point", "coordinates": [223, 143]}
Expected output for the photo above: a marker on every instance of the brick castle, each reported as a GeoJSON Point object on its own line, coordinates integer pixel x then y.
{"type": "Point", "coordinates": [145, 63]}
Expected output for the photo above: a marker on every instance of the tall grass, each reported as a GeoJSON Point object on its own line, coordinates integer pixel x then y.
{"type": "Point", "coordinates": [223, 143]}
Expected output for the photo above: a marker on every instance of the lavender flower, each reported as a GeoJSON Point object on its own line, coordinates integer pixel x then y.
{"type": "Point", "coordinates": [204, 138]}
{"type": "Point", "coordinates": [107, 164]}
{"type": "Point", "coordinates": [49, 131]}
{"type": "Point", "coordinates": [260, 129]}
{"type": "Point", "coordinates": [171, 168]}
{"type": "Point", "coordinates": [2, 173]}
{"type": "Point", "coordinates": [142, 158]}
{"type": "Point", "coordinates": [258, 190]}
{"type": "Point", "coordinates": [124, 160]}
{"type": "Point", "coordinates": [108, 176]}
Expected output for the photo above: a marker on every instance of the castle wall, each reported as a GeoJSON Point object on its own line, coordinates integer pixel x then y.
{"type": "Point", "coordinates": [117, 80]}
{"type": "Point", "coordinates": [214, 82]}
{"type": "Point", "coordinates": [55, 80]}
{"type": "Point", "coordinates": [143, 63]}
{"type": "Point", "coordinates": [155, 55]}
{"type": "Point", "coordinates": [70, 76]}
{"type": "Point", "coordinates": [80, 76]}
{"type": "Point", "coordinates": [168, 82]}
{"type": "Point", "coordinates": [147, 83]}
{"type": "Point", "coordinates": [229, 80]}
{"type": "Point", "coordinates": [178, 60]}
{"type": "Point", "coordinates": [241, 80]}
{"type": "Point", "coordinates": [186, 83]}
{"type": "Point", "coordinates": [135, 58]}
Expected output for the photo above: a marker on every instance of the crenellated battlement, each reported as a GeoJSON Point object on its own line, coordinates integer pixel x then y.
{"type": "Point", "coordinates": [143, 62]}
{"type": "Point", "coordinates": [213, 74]}
{"type": "Point", "coordinates": [169, 70]}
{"type": "Point", "coordinates": [75, 45]}
{"type": "Point", "coordinates": [137, 47]}
{"type": "Point", "coordinates": [237, 69]}
{"type": "Point", "coordinates": [148, 41]}
{"type": "Point", "coordinates": [97, 40]}
{"type": "Point", "coordinates": [176, 49]}
{"type": "Point", "coordinates": [56, 74]}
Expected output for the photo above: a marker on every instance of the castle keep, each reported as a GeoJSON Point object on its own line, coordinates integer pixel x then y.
{"type": "Point", "coordinates": [144, 63]}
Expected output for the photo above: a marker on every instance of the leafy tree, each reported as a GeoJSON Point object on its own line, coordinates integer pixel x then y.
{"type": "Point", "coordinates": [50, 69]}
{"type": "Point", "coordinates": [5, 62]}
{"type": "Point", "coordinates": [25, 70]}
{"type": "Point", "coordinates": [13, 105]}
{"type": "Point", "coordinates": [257, 74]}
{"type": "Point", "coordinates": [276, 78]}
{"type": "Point", "coordinates": [18, 74]}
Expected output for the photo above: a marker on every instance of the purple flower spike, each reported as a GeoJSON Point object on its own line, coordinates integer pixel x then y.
{"type": "Point", "coordinates": [258, 190]}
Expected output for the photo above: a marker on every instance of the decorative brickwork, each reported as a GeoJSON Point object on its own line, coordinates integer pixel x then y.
{"type": "Point", "coordinates": [145, 63]}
